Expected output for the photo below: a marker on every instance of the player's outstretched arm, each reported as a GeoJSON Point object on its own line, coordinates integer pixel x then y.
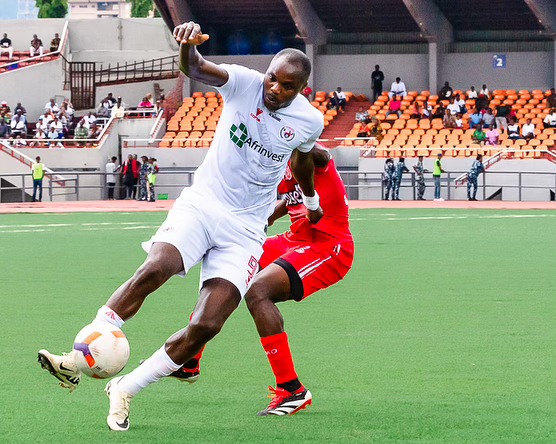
{"type": "Point", "coordinates": [280, 210]}
{"type": "Point", "coordinates": [192, 63]}
{"type": "Point", "coordinates": [303, 169]}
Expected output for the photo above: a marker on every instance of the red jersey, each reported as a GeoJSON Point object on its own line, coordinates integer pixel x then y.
{"type": "Point", "coordinates": [334, 225]}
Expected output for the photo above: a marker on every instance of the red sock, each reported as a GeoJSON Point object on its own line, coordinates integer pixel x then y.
{"type": "Point", "coordinates": [279, 356]}
{"type": "Point", "coordinates": [195, 361]}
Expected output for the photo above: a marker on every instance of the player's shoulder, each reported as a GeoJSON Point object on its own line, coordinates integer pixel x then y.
{"type": "Point", "coordinates": [303, 106]}
{"type": "Point", "coordinates": [240, 70]}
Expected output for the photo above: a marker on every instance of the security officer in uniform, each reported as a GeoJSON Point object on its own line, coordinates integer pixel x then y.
{"type": "Point", "coordinates": [397, 179]}
{"type": "Point", "coordinates": [420, 178]}
{"type": "Point", "coordinates": [387, 177]}
{"type": "Point", "coordinates": [472, 176]}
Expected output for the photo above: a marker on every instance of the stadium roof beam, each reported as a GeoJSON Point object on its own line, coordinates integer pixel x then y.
{"type": "Point", "coordinates": [545, 12]}
{"type": "Point", "coordinates": [310, 26]}
{"type": "Point", "coordinates": [434, 26]}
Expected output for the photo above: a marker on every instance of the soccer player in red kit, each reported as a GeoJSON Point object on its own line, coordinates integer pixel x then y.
{"type": "Point", "coordinates": [294, 265]}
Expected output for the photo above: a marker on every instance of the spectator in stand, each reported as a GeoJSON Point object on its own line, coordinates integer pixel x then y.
{"type": "Point", "coordinates": [69, 109]}
{"type": "Point", "coordinates": [53, 139]}
{"type": "Point", "coordinates": [57, 126]}
{"type": "Point", "coordinates": [118, 111]}
{"type": "Point", "coordinates": [377, 77]}
{"type": "Point", "coordinates": [4, 126]}
{"type": "Point", "coordinates": [417, 111]}
{"type": "Point", "coordinates": [362, 115]}
{"type": "Point", "coordinates": [398, 88]}
{"type": "Point", "coordinates": [6, 46]}
{"type": "Point", "coordinates": [130, 171]}
{"type": "Point", "coordinates": [488, 119]}
{"type": "Point", "coordinates": [449, 120]}
{"type": "Point", "coordinates": [19, 142]}
{"type": "Point", "coordinates": [426, 111]}
{"type": "Point", "coordinates": [550, 120]}
{"type": "Point", "coordinates": [338, 100]}
{"type": "Point", "coordinates": [493, 136]}
{"type": "Point", "coordinates": [363, 130]}
{"type": "Point", "coordinates": [90, 119]}
{"type": "Point", "coordinates": [36, 47]}
{"type": "Point", "coordinates": [472, 94]}
{"type": "Point", "coordinates": [461, 103]}
{"type": "Point", "coordinates": [454, 107]}
{"type": "Point", "coordinates": [439, 112]}
{"type": "Point", "coordinates": [42, 124]}
{"type": "Point", "coordinates": [94, 131]}
{"type": "Point", "coordinates": [20, 107]}
{"type": "Point", "coordinates": [395, 106]}
{"type": "Point", "coordinates": [105, 108]}
{"type": "Point", "coordinates": [39, 139]}
{"type": "Point", "coordinates": [375, 130]}
{"type": "Point", "coordinates": [110, 98]}
{"type": "Point", "coordinates": [307, 93]}
{"type": "Point", "coordinates": [81, 132]}
{"type": "Point", "coordinates": [551, 99]}
{"type": "Point", "coordinates": [502, 113]}
{"type": "Point", "coordinates": [55, 43]}
{"type": "Point", "coordinates": [18, 126]}
{"type": "Point", "coordinates": [478, 135]}
{"type": "Point", "coordinates": [459, 120]}
{"type": "Point", "coordinates": [475, 118]}
{"type": "Point", "coordinates": [528, 130]}
{"type": "Point", "coordinates": [52, 106]}
{"type": "Point", "coordinates": [446, 92]}
{"type": "Point", "coordinates": [513, 129]}
{"type": "Point", "coordinates": [483, 99]}
{"type": "Point", "coordinates": [145, 105]}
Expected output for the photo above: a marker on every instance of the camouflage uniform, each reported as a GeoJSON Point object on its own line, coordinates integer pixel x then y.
{"type": "Point", "coordinates": [151, 179]}
{"type": "Point", "coordinates": [420, 180]}
{"type": "Point", "coordinates": [472, 176]}
{"type": "Point", "coordinates": [397, 179]}
{"type": "Point", "coordinates": [387, 178]}
{"type": "Point", "coordinates": [143, 171]}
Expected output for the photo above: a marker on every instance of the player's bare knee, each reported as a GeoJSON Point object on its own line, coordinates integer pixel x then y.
{"type": "Point", "coordinates": [204, 330]}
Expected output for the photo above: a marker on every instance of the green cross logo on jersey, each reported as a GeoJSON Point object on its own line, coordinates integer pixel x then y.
{"type": "Point", "coordinates": [238, 134]}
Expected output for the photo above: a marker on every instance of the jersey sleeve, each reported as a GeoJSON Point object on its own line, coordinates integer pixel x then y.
{"type": "Point", "coordinates": [240, 79]}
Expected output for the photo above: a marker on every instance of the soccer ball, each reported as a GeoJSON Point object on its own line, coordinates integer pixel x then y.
{"type": "Point", "coordinates": [101, 350]}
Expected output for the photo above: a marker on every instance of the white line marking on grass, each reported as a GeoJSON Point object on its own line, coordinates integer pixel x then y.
{"type": "Point", "coordinates": [24, 231]}
{"type": "Point", "coordinates": [35, 225]}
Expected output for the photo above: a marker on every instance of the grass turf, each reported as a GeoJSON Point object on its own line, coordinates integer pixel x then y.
{"type": "Point", "coordinates": [442, 333]}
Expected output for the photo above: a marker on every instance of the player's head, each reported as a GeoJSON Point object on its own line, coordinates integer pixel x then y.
{"type": "Point", "coordinates": [285, 78]}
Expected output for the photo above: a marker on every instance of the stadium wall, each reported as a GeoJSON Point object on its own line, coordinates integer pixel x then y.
{"type": "Point", "coordinates": [524, 70]}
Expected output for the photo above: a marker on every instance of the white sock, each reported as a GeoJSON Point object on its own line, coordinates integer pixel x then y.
{"type": "Point", "coordinates": [106, 314]}
{"type": "Point", "coordinates": [157, 366]}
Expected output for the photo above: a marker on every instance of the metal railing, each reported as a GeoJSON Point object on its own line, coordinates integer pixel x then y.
{"type": "Point", "coordinates": [92, 185]}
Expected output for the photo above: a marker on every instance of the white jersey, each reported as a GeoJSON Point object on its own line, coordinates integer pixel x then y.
{"type": "Point", "coordinates": [251, 148]}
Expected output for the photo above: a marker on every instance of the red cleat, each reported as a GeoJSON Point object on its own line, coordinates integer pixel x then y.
{"type": "Point", "coordinates": [287, 403]}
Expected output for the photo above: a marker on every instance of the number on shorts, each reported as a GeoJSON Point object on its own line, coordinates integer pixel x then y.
{"type": "Point", "coordinates": [253, 267]}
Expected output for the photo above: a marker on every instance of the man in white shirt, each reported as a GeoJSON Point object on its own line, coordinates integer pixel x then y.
{"type": "Point", "coordinates": [550, 120]}
{"type": "Point", "coordinates": [110, 169]}
{"type": "Point", "coordinates": [221, 219]}
{"type": "Point", "coordinates": [52, 106]}
{"type": "Point", "coordinates": [528, 130]}
{"type": "Point", "coordinates": [472, 93]}
{"type": "Point", "coordinates": [398, 88]}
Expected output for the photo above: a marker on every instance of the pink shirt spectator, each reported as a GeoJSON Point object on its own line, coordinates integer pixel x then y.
{"type": "Point", "coordinates": [493, 136]}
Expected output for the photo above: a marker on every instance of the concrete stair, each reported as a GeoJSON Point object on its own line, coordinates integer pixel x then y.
{"type": "Point", "coordinates": [343, 122]}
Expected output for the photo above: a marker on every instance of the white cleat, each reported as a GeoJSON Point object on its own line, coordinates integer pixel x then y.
{"type": "Point", "coordinates": [61, 367]}
{"type": "Point", "coordinates": [118, 415]}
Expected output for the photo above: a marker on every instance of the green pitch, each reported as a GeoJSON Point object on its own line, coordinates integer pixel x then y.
{"type": "Point", "coordinates": [443, 332]}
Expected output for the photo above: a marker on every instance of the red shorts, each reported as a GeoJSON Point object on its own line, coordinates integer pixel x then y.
{"type": "Point", "coordinates": [319, 265]}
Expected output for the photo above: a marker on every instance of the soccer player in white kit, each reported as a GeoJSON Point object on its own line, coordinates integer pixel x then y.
{"type": "Point", "coordinates": [221, 219]}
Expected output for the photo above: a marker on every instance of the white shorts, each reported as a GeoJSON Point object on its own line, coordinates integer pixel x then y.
{"type": "Point", "coordinates": [202, 230]}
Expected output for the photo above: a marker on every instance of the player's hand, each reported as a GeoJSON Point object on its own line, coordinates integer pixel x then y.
{"type": "Point", "coordinates": [190, 34]}
{"type": "Point", "coordinates": [315, 216]}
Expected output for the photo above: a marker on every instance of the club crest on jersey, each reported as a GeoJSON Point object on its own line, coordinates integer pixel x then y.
{"type": "Point", "coordinates": [287, 133]}
{"type": "Point", "coordinates": [256, 116]}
